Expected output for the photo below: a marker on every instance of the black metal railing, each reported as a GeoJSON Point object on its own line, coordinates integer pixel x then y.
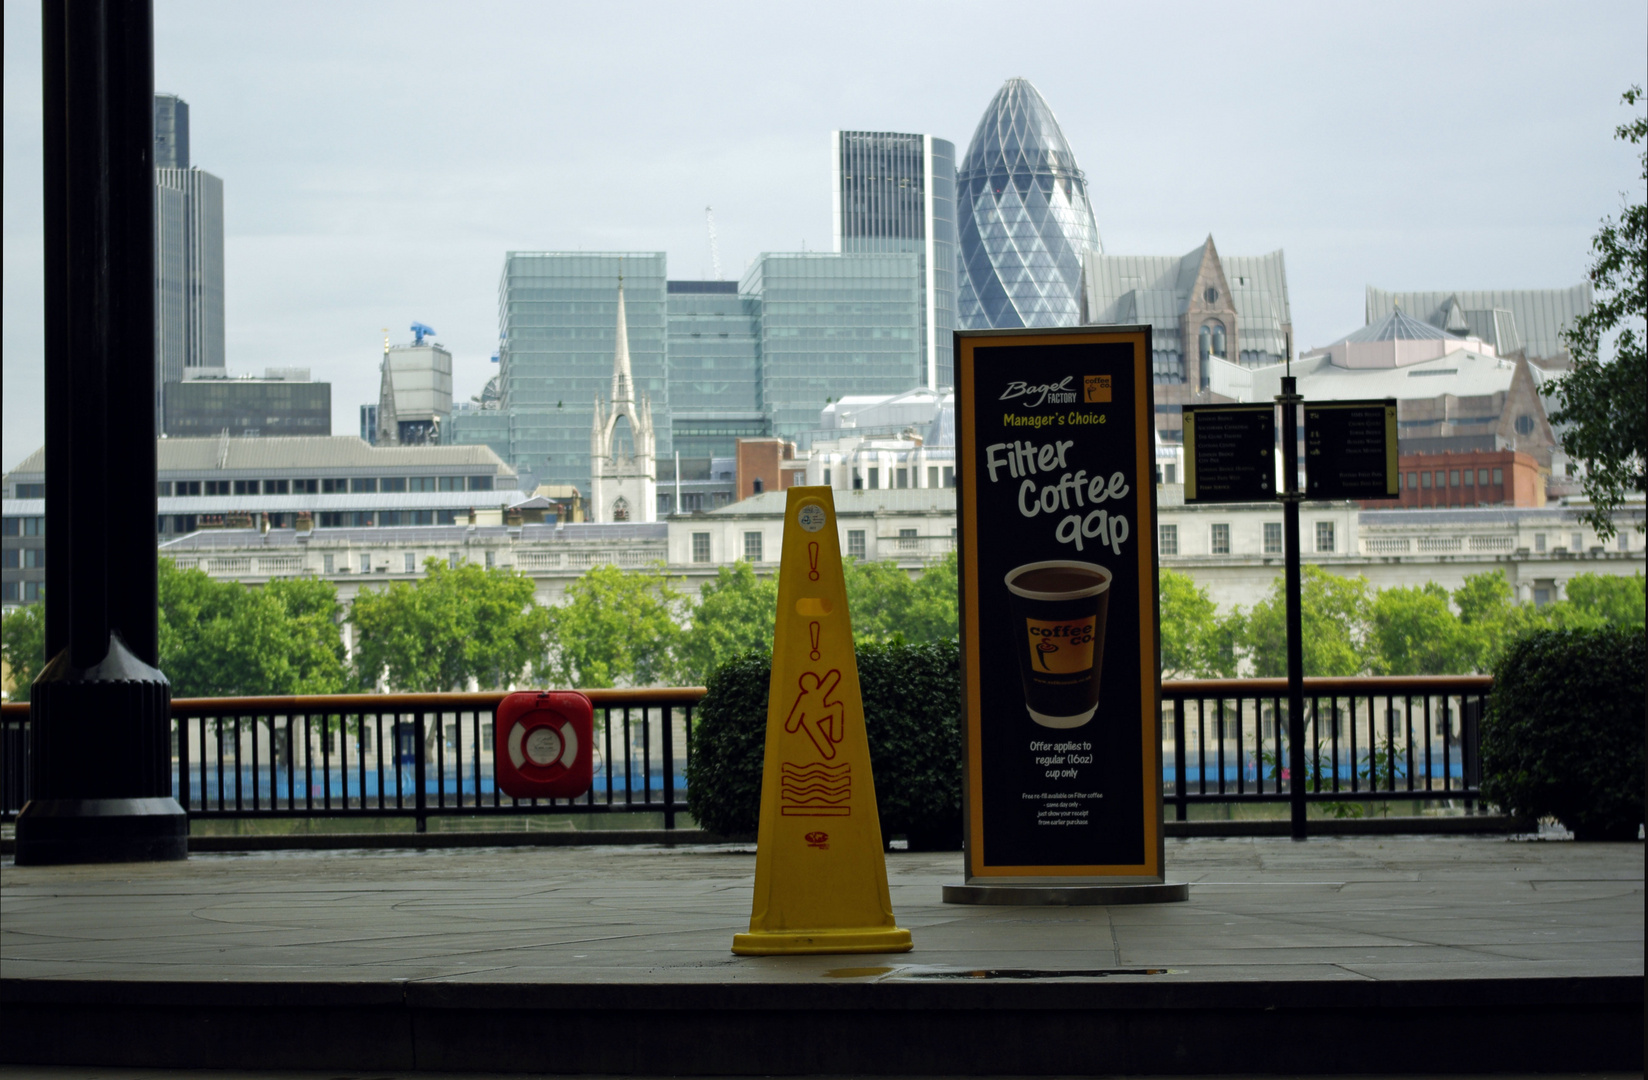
{"type": "Point", "coordinates": [1374, 739]}
{"type": "Point", "coordinates": [430, 755]}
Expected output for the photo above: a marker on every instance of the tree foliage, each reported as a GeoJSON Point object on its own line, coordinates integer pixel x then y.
{"type": "Point", "coordinates": [1604, 403]}
{"type": "Point", "coordinates": [617, 628]}
{"type": "Point", "coordinates": [1197, 642]}
{"type": "Point", "coordinates": [225, 639]}
{"type": "Point", "coordinates": [1414, 631]}
{"type": "Point", "coordinates": [23, 643]}
{"type": "Point", "coordinates": [887, 604]}
{"type": "Point", "coordinates": [1335, 618]}
{"type": "Point", "coordinates": [449, 627]}
{"type": "Point", "coordinates": [735, 615]}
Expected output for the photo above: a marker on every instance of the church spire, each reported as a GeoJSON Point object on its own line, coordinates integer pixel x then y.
{"type": "Point", "coordinates": [623, 382]}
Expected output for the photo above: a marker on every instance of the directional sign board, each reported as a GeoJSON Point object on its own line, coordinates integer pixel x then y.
{"type": "Point", "coordinates": [1230, 453]}
{"type": "Point", "coordinates": [1060, 667]}
{"type": "Point", "coordinates": [1350, 449]}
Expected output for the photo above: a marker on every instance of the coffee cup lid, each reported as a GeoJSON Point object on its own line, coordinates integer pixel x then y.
{"type": "Point", "coordinates": [1058, 564]}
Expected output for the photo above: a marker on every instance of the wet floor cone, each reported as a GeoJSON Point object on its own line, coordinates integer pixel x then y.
{"type": "Point", "coordinates": [820, 877]}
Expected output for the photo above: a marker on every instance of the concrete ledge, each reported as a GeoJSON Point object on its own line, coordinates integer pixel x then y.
{"type": "Point", "coordinates": [896, 1025]}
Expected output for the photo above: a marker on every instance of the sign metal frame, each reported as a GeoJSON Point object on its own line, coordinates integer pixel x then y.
{"type": "Point", "coordinates": [1391, 454]}
{"type": "Point", "coordinates": [979, 869]}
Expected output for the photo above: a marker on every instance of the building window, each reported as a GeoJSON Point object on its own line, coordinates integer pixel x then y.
{"type": "Point", "coordinates": [1170, 473]}
{"type": "Point", "coordinates": [411, 563]}
{"type": "Point", "coordinates": [901, 478]}
{"type": "Point", "coordinates": [392, 484]}
{"type": "Point", "coordinates": [620, 509]}
{"type": "Point", "coordinates": [932, 476]}
{"type": "Point", "coordinates": [218, 487]}
{"type": "Point", "coordinates": [858, 481]}
{"type": "Point", "coordinates": [452, 560]}
{"type": "Point", "coordinates": [1168, 539]}
{"type": "Point", "coordinates": [1624, 542]}
{"type": "Point", "coordinates": [752, 546]}
{"type": "Point", "coordinates": [333, 486]}
{"type": "Point", "coordinates": [186, 488]}
{"type": "Point", "coordinates": [29, 491]}
{"type": "Point", "coordinates": [1324, 536]}
{"type": "Point", "coordinates": [329, 564]}
{"type": "Point", "coordinates": [1221, 539]}
{"type": "Point", "coordinates": [420, 483]}
{"type": "Point", "coordinates": [1498, 477]}
{"type": "Point", "coordinates": [666, 504]}
{"type": "Point", "coordinates": [1453, 478]}
{"type": "Point", "coordinates": [33, 590]}
{"type": "Point", "coordinates": [1413, 480]}
{"type": "Point", "coordinates": [826, 476]}
{"type": "Point", "coordinates": [480, 483]}
{"type": "Point", "coordinates": [875, 479]}
{"type": "Point", "coordinates": [164, 489]}
{"type": "Point", "coordinates": [277, 487]}
{"type": "Point", "coordinates": [366, 564]}
{"type": "Point", "coordinates": [305, 487]}
{"type": "Point", "coordinates": [907, 540]}
{"type": "Point", "coordinates": [491, 559]}
{"type": "Point", "coordinates": [11, 526]}
{"type": "Point", "coordinates": [855, 543]}
{"type": "Point", "coordinates": [1273, 538]}
{"type": "Point", "coordinates": [363, 485]}
{"type": "Point", "coordinates": [1470, 477]}
{"type": "Point", "coordinates": [9, 591]}
{"type": "Point", "coordinates": [756, 486]}
{"type": "Point", "coordinates": [1524, 424]}
{"type": "Point", "coordinates": [10, 558]}
{"type": "Point", "coordinates": [700, 547]}
{"type": "Point", "coordinates": [1441, 478]}
{"type": "Point", "coordinates": [949, 476]}
{"type": "Point", "coordinates": [1539, 541]}
{"type": "Point", "coordinates": [450, 483]}
{"type": "Point", "coordinates": [1576, 542]}
{"type": "Point", "coordinates": [1425, 479]}
{"type": "Point", "coordinates": [34, 558]}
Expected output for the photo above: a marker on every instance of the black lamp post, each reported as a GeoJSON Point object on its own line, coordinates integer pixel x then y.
{"type": "Point", "coordinates": [100, 709]}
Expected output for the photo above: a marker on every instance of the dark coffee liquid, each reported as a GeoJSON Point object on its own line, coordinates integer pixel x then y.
{"type": "Point", "coordinates": [1057, 579]}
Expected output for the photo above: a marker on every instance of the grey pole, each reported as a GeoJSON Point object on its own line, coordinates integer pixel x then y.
{"type": "Point", "coordinates": [100, 710]}
{"type": "Point", "coordinates": [1289, 400]}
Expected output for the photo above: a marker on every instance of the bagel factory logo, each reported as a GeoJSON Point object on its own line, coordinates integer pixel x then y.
{"type": "Point", "coordinates": [819, 840]}
{"type": "Point", "coordinates": [1032, 396]}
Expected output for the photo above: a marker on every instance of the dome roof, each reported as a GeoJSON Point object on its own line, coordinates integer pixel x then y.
{"type": "Point", "coordinates": [1019, 132]}
{"type": "Point", "coordinates": [1399, 327]}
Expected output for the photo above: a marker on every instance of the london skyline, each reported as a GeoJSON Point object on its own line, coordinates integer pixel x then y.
{"type": "Point", "coordinates": [379, 161]}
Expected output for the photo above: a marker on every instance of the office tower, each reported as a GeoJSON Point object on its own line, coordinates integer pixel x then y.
{"type": "Point", "coordinates": [414, 391]}
{"type": "Point", "coordinates": [714, 368]}
{"type": "Point", "coordinates": [283, 402]}
{"type": "Point", "coordinates": [558, 314]}
{"type": "Point", "coordinates": [1023, 218]}
{"type": "Point", "coordinates": [894, 192]}
{"type": "Point", "coordinates": [833, 325]}
{"type": "Point", "coordinates": [188, 258]}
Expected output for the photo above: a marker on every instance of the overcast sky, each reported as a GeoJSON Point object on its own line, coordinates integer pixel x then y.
{"type": "Point", "coordinates": [379, 158]}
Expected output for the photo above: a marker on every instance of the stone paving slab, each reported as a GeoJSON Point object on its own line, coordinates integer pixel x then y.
{"type": "Point", "coordinates": [1333, 908]}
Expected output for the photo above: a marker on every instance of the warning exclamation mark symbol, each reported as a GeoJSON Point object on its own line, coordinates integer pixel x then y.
{"type": "Point", "coordinates": [812, 631]}
{"type": "Point", "coordinates": [812, 575]}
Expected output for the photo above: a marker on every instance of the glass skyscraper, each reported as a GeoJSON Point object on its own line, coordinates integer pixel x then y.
{"type": "Point", "coordinates": [558, 323]}
{"type": "Point", "coordinates": [188, 257]}
{"type": "Point", "coordinates": [1023, 218]}
{"type": "Point", "coordinates": [834, 325]}
{"type": "Point", "coordinates": [894, 192]}
{"type": "Point", "coordinates": [714, 368]}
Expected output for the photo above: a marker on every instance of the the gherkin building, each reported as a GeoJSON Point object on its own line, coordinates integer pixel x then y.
{"type": "Point", "coordinates": [1023, 219]}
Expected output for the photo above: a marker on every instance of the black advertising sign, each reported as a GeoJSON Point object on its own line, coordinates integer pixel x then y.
{"type": "Point", "coordinates": [1060, 664]}
{"type": "Point", "coordinates": [1230, 453]}
{"type": "Point", "coordinates": [1350, 450]}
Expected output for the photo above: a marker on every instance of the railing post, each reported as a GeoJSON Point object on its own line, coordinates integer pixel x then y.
{"type": "Point", "coordinates": [420, 802]}
{"type": "Point", "coordinates": [1180, 804]}
{"type": "Point", "coordinates": [669, 766]}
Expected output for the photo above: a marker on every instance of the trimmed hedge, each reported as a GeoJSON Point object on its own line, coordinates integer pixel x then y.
{"type": "Point", "coordinates": [1562, 736]}
{"type": "Point", "coordinates": [912, 706]}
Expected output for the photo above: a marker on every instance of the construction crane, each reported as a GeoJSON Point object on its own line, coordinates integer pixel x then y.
{"type": "Point", "coordinates": [715, 249]}
{"type": "Point", "coordinates": [418, 332]}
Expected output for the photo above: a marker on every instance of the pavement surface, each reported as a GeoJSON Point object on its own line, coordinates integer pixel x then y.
{"type": "Point", "coordinates": [1326, 909]}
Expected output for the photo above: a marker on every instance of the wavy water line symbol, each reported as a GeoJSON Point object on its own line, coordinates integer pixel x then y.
{"type": "Point", "coordinates": [815, 790]}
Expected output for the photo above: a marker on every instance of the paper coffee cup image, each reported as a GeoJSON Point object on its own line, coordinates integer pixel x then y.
{"type": "Point", "coordinates": [1058, 612]}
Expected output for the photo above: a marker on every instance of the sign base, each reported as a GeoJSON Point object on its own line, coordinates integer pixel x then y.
{"type": "Point", "coordinates": [1066, 895]}
{"type": "Point", "coordinates": [758, 943]}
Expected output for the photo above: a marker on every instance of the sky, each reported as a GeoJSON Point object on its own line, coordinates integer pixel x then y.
{"type": "Point", "coordinates": [379, 159]}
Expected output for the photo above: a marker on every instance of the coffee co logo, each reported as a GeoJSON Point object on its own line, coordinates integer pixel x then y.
{"type": "Point", "coordinates": [1059, 393]}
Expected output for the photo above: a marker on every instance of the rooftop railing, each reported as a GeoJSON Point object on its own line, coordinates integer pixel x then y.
{"type": "Point", "coordinates": [418, 756]}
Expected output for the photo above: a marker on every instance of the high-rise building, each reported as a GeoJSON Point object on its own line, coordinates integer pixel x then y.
{"type": "Point", "coordinates": [557, 315]}
{"type": "Point", "coordinates": [283, 402]}
{"type": "Point", "coordinates": [1023, 218]}
{"type": "Point", "coordinates": [414, 391]}
{"type": "Point", "coordinates": [833, 325]}
{"type": "Point", "coordinates": [893, 192]}
{"type": "Point", "coordinates": [714, 368]}
{"type": "Point", "coordinates": [188, 258]}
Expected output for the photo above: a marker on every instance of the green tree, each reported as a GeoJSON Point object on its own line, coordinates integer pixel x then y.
{"type": "Point", "coordinates": [1604, 403]}
{"type": "Point", "coordinates": [617, 628]}
{"type": "Point", "coordinates": [1415, 632]}
{"type": "Point", "coordinates": [734, 615]}
{"type": "Point", "coordinates": [887, 604]}
{"type": "Point", "coordinates": [1609, 599]}
{"type": "Point", "coordinates": [23, 643]}
{"type": "Point", "coordinates": [225, 639]}
{"type": "Point", "coordinates": [1197, 643]}
{"type": "Point", "coordinates": [1489, 619]}
{"type": "Point", "coordinates": [934, 601]}
{"type": "Point", "coordinates": [450, 626]}
{"type": "Point", "coordinates": [1334, 619]}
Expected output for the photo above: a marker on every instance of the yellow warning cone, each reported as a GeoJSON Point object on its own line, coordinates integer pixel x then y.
{"type": "Point", "coordinates": [820, 876]}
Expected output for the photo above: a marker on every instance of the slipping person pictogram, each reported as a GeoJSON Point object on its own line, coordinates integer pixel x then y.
{"type": "Point", "coordinates": [823, 720]}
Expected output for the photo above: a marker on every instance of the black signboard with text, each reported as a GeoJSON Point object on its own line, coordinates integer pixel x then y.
{"type": "Point", "coordinates": [1350, 449]}
{"type": "Point", "coordinates": [1059, 625]}
{"type": "Point", "coordinates": [1230, 453]}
